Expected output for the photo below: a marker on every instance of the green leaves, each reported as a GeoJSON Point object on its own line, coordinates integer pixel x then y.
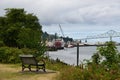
{"type": "Point", "coordinates": [108, 54]}
{"type": "Point", "coordinates": [19, 29]}
{"type": "Point", "coordinates": [15, 15]}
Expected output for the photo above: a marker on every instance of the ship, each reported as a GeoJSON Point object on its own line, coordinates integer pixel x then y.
{"type": "Point", "coordinates": [56, 44]}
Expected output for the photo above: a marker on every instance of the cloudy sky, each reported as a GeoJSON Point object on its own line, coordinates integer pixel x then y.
{"type": "Point", "coordinates": [78, 18]}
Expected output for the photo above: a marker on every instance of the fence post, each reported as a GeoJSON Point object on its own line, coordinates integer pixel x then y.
{"type": "Point", "coordinates": [77, 54]}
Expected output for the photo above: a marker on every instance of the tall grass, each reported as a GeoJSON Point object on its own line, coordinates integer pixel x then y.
{"type": "Point", "coordinates": [93, 72]}
{"type": "Point", "coordinates": [99, 69]}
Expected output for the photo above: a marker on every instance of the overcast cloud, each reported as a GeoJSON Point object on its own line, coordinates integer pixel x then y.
{"type": "Point", "coordinates": [73, 15]}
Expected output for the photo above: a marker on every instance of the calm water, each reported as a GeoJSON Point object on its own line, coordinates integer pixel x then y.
{"type": "Point", "coordinates": [69, 55]}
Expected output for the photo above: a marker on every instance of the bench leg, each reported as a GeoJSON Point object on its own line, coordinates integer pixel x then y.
{"type": "Point", "coordinates": [29, 67]}
{"type": "Point", "coordinates": [44, 68]}
{"type": "Point", "coordinates": [37, 68]}
{"type": "Point", "coordinates": [23, 67]}
{"type": "Point", "coordinates": [40, 67]}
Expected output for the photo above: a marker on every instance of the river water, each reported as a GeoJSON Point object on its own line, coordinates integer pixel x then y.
{"type": "Point", "coordinates": [69, 55]}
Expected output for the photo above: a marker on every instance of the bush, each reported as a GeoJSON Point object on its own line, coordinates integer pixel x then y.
{"type": "Point", "coordinates": [1, 43]}
{"type": "Point", "coordinates": [107, 55]}
{"type": "Point", "coordinates": [10, 55]}
{"type": "Point", "coordinates": [104, 66]}
{"type": "Point", "coordinates": [93, 72]}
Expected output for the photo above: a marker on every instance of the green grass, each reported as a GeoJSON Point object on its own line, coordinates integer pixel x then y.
{"type": "Point", "coordinates": [13, 72]}
{"type": "Point", "coordinates": [66, 72]}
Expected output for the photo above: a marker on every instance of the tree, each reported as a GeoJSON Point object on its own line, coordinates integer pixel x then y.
{"type": "Point", "coordinates": [108, 55]}
{"type": "Point", "coordinates": [19, 29]}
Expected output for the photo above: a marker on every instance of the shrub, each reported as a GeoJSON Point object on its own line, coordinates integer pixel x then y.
{"type": "Point", "coordinates": [9, 55]}
{"type": "Point", "coordinates": [1, 43]}
{"type": "Point", "coordinates": [104, 66]}
{"type": "Point", "coordinates": [108, 55]}
{"type": "Point", "coordinates": [93, 72]}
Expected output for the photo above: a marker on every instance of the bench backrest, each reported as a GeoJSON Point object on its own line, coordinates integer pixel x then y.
{"type": "Point", "coordinates": [28, 59]}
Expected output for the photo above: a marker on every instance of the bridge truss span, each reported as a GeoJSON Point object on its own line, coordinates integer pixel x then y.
{"type": "Point", "coordinates": [110, 34]}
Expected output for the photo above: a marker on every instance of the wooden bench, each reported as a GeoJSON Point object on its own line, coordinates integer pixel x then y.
{"type": "Point", "coordinates": [29, 60]}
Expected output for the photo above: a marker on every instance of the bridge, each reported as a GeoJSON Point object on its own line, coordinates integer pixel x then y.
{"type": "Point", "coordinates": [110, 34]}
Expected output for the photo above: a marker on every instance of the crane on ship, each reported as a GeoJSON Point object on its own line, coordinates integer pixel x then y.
{"type": "Point", "coordinates": [61, 30]}
{"type": "Point", "coordinates": [68, 43]}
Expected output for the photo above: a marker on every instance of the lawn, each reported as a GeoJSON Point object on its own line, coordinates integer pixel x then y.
{"type": "Point", "coordinates": [13, 72]}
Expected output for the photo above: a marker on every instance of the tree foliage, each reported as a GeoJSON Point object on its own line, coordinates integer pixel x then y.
{"type": "Point", "coordinates": [107, 55]}
{"type": "Point", "coordinates": [20, 29]}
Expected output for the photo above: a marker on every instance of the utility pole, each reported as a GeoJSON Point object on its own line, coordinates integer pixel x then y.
{"type": "Point", "coordinates": [77, 54]}
{"type": "Point", "coordinates": [110, 38]}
